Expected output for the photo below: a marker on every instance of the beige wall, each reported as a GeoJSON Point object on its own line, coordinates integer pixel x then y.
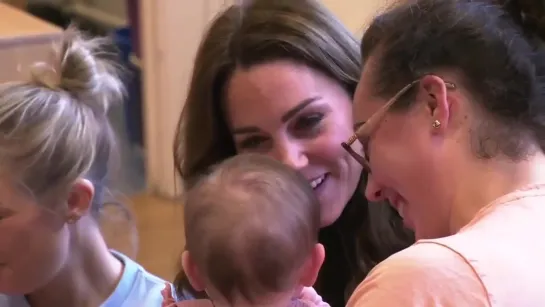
{"type": "Point", "coordinates": [356, 14]}
{"type": "Point", "coordinates": [171, 32]}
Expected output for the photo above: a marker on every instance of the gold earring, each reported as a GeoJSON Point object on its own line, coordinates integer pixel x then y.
{"type": "Point", "coordinates": [436, 124]}
{"type": "Point", "coordinates": [72, 219]}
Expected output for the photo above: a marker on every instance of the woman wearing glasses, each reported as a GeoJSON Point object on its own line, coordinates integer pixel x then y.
{"type": "Point", "coordinates": [277, 78]}
{"type": "Point", "coordinates": [452, 97]}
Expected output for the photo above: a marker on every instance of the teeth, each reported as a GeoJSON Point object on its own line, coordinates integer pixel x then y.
{"type": "Point", "coordinates": [316, 182]}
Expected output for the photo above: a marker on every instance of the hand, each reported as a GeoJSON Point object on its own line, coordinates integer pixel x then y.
{"type": "Point", "coordinates": [168, 300]}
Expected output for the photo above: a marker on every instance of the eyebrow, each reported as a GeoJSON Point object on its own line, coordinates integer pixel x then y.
{"type": "Point", "coordinates": [287, 116]}
{"type": "Point", "coordinates": [303, 104]}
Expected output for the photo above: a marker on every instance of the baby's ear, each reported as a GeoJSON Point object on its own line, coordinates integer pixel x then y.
{"type": "Point", "coordinates": [312, 266]}
{"type": "Point", "coordinates": [193, 274]}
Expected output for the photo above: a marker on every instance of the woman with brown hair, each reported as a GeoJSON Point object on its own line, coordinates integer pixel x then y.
{"type": "Point", "coordinates": [452, 95]}
{"type": "Point", "coordinates": [277, 78]}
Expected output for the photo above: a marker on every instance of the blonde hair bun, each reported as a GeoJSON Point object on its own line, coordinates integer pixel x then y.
{"type": "Point", "coordinates": [83, 68]}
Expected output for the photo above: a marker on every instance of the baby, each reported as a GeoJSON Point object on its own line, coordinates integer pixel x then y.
{"type": "Point", "coordinates": [251, 228]}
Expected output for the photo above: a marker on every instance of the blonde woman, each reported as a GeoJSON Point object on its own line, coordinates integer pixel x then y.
{"type": "Point", "coordinates": [56, 147]}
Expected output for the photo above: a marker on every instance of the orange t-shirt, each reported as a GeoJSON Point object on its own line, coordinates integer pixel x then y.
{"type": "Point", "coordinates": [498, 260]}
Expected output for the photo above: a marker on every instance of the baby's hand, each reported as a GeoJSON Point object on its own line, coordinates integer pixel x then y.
{"type": "Point", "coordinates": [168, 300]}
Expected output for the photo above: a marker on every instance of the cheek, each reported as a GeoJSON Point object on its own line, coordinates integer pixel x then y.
{"type": "Point", "coordinates": [327, 147]}
{"type": "Point", "coordinates": [34, 250]}
{"type": "Point", "coordinates": [398, 157]}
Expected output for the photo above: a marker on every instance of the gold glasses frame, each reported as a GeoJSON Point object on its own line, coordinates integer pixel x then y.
{"type": "Point", "coordinates": [364, 132]}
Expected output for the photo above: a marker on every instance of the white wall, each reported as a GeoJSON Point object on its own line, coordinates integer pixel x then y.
{"type": "Point", "coordinates": [171, 32]}
{"type": "Point", "coordinates": [354, 13]}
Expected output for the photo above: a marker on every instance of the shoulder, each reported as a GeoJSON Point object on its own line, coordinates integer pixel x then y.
{"type": "Point", "coordinates": [137, 287]}
{"type": "Point", "coordinates": [12, 301]}
{"type": "Point", "coordinates": [425, 274]}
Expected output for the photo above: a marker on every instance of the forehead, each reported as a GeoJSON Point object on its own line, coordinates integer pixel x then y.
{"type": "Point", "coordinates": [273, 88]}
{"type": "Point", "coordinates": [366, 103]}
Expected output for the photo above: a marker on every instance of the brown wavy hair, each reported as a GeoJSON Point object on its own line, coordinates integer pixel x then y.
{"type": "Point", "coordinates": [302, 31]}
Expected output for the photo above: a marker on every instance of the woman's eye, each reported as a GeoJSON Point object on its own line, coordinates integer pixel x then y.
{"type": "Point", "coordinates": [309, 122]}
{"type": "Point", "coordinates": [252, 142]}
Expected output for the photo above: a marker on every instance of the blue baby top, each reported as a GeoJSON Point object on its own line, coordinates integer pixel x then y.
{"type": "Point", "coordinates": [136, 288]}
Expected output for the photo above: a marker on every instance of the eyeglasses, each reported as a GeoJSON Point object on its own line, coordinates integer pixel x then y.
{"type": "Point", "coordinates": [364, 132]}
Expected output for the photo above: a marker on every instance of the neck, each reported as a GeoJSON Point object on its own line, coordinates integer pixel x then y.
{"type": "Point", "coordinates": [89, 276]}
{"type": "Point", "coordinates": [490, 179]}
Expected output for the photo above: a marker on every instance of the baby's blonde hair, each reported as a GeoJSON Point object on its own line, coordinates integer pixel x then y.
{"type": "Point", "coordinates": [54, 127]}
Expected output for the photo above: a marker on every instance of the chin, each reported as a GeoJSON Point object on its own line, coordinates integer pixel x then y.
{"type": "Point", "coordinates": [332, 215]}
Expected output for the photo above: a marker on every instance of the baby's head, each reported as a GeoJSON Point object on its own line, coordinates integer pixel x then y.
{"type": "Point", "coordinates": [251, 228]}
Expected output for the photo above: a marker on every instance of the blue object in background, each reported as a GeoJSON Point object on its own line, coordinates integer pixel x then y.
{"type": "Point", "coordinates": [133, 105]}
{"type": "Point", "coordinates": [122, 38]}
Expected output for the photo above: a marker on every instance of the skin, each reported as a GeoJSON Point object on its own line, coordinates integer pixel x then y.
{"type": "Point", "coordinates": [307, 276]}
{"type": "Point", "coordinates": [408, 157]}
{"type": "Point", "coordinates": [41, 255]}
{"type": "Point", "coordinates": [298, 116]}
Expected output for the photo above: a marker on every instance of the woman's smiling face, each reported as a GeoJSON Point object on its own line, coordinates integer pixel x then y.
{"type": "Point", "coordinates": [298, 116]}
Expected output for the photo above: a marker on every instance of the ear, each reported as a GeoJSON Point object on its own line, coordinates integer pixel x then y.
{"type": "Point", "coordinates": [195, 278]}
{"type": "Point", "coordinates": [312, 266]}
{"type": "Point", "coordinates": [434, 91]}
{"type": "Point", "coordinates": [80, 198]}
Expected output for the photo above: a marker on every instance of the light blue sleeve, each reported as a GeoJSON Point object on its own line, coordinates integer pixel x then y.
{"type": "Point", "coordinates": [137, 287]}
{"type": "Point", "coordinates": [13, 301]}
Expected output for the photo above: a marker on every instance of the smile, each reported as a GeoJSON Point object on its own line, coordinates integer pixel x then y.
{"type": "Point", "coordinates": [316, 183]}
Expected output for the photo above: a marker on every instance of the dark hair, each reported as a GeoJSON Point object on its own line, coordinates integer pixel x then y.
{"type": "Point", "coordinates": [494, 50]}
{"type": "Point", "coordinates": [528, 13]}
{"type": "Point", "coordinates": [250, 225]}
{"type": "Point", "coordinates": [303, 31]}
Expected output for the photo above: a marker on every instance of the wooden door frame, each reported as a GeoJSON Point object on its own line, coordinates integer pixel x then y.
{"type": "Point", "coordinates": [171, 31]}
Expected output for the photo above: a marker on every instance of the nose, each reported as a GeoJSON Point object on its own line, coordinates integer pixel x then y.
{"type": "Point", "coordinates": [292, 154]}
{"type": "Point", "coordinates": [373, 190]}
